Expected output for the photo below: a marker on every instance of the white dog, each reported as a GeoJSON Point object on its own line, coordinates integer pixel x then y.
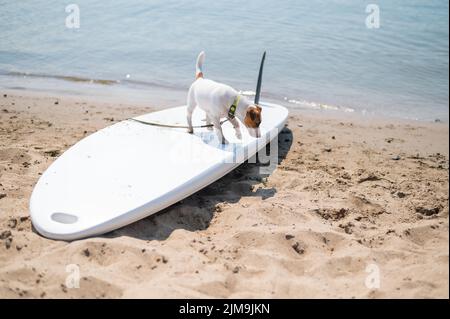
{"type": "Point", "coordinates": [218, 101]}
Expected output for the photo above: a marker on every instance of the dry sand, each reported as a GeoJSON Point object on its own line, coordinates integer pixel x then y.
{"type": "Point", "coordinates": [351, 197]}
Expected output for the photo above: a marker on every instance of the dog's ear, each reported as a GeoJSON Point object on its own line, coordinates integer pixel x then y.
{"type": "Point", "coordinates": [252, 114]}
{"type": "Point", "coordinates": [258, 107]}
{"type": "Point", "coordinates": [252, 117]}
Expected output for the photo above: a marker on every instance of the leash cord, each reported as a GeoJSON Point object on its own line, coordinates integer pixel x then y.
{"type": "Point", "coordinates": [172, 126]}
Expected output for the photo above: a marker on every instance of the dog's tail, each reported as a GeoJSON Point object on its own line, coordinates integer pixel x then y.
{"type": "Point", "coordinates": [199, 65]}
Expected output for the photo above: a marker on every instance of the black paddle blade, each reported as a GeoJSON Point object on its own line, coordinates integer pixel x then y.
{"type": "Point", "coordinates": [258, 85]}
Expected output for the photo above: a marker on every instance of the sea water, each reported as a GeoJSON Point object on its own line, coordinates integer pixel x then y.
{"type": "Point", "coordinates": [387, 58]}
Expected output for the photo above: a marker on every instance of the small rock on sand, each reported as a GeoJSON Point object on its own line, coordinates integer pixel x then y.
{"type": "Point", "coordinates": [8, 242]}
{"type": "Point", "coordinates": [52, 153]}
{"type": "Point", "coordinates": [347, 227]}
{"type": "Point", "coordinates": [86, 252]}
{"type": "Point", "coordinates": [5, 234]}
{"type": "Point", "coordinates": [427, 211]}
{"type": "Point", "coordinates": [64, 288]}
{"type": "Point", "coordinates": [2, 195]}
{"type": "Point", "coordinates": [332, 214]}
{"type": "Point", "coordinates": [401, 194]}
{"type": "Point", "coordinates": [298, 248]}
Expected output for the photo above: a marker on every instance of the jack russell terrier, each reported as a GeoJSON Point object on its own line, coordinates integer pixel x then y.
{"type": "Point", "coordinates": [218, 100]}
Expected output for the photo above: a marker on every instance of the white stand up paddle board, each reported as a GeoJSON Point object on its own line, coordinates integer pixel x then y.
{"type": "Point", "coordinates": [130, 170]}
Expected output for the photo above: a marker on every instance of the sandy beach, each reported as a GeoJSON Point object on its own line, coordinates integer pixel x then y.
{"type": "Point", "coordinates": [352, 197]}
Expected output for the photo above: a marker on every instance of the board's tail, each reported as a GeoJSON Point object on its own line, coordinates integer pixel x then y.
{"type": "Point", "coordinates": [199, 65]}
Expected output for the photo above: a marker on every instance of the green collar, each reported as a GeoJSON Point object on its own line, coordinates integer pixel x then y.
{"type": "Point", "coordinates": [233, 107]}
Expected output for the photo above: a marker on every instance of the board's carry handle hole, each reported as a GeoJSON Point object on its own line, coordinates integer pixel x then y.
{"type": "Point", "coordinates": [64, 218]}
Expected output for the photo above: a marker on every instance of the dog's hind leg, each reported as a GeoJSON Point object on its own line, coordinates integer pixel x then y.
{"type": "Point", "coordinates": [191, 104]}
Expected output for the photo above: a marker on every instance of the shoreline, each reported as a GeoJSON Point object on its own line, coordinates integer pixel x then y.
{"type": "Point", "coordinates": [146, 100]}
{"type": "Point", "coordinates": [349, 192]}
{"type": "Point", "coordinates": [141, 93]}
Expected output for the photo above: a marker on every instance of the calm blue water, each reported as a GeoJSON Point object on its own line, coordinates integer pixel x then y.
{"type": "Point", "coordinates": [319, 53]}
